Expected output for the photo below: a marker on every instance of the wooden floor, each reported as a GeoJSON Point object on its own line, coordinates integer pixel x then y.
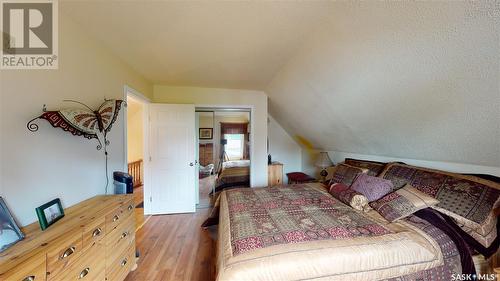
{"type": "Point", "coordinates": [175, 247]}
{"type": "Point", "coordinates": [140, 218]}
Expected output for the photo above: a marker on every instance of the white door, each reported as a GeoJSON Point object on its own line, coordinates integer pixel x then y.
{"type": "Point", "coordinates": [172, 137]}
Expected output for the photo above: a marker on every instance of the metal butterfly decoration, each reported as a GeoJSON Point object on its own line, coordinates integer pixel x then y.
{"type": "Point", "coordinates": [84, 122]}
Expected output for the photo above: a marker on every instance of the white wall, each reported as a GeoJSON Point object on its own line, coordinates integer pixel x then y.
{"type": "Point", "coordinates": [38, 167]}
{"type": "Point", "coordinates": [308, 159]}
{"type": "Point", "coordinates": [209, 97]}
{"type": "Point", "coordinates": [283, 148]}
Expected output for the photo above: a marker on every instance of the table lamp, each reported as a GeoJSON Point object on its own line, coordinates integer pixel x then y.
{"type": "Point", "coordinates": [323, 162]}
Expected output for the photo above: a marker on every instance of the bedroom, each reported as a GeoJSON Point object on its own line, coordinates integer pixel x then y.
{"type": "Point", "coordinates": [384, 82]}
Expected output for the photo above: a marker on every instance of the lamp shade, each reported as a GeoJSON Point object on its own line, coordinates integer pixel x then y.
{"type": "Point", "coordinates": [323, 160]}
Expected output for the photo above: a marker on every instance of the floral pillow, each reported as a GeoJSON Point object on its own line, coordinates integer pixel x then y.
{"type": "Point", "coordinates": [350, 197]}
{"type": "Point", "coordinates": [344, 174]}
{"type": "Point", "coordinates": [372, 187]}
{"type": "Point", "coordinates": [402, 203]}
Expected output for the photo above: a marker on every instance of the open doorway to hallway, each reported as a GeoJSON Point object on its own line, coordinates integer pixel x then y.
{"type": "Point", "coordinates": [223, 151]}
{"type": "Point", "coordinates": [136, 152]}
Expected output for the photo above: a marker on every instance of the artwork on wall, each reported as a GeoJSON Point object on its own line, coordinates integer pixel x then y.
{"type": "Point", "coordinates": [10, 233]}
{"type": "Point", "coordinates": [206, 133]}
{"type": "Point", "coordinates": [91, 124]}
{"type": "Point", "coordinates": [49, 213]}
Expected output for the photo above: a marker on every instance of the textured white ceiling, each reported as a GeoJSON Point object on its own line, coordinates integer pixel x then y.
{"type": "Point", "coordinates": [224, 44]}
{"type": "Point", "coordinates": [414, 80]}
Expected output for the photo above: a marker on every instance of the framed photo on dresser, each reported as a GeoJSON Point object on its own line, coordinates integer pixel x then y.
{"type": "Point", "coordinates": [10, 233]}
{"type": "Point", "coordinates": [49, 213]}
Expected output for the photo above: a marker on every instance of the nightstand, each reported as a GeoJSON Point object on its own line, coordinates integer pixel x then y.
{"type": "Point", "coordinates": [274, 174]}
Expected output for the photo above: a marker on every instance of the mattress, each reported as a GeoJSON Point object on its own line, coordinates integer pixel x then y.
{"type": "Point", "coordinates": [303, 233]}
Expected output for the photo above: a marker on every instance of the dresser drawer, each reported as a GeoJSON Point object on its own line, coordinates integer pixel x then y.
{"type": "Point", "coordinates": [89, 266]}
{"type": "Point", "coordinates": [94, 232]}
{"type": "Point", "coordinates": [120, 214]}
{"type": "Point", "coordinates": [32, 269]}
{"type": "Point", "coordinates": [119, 240]}
{"type": "Point", "coordinates": [65, 250]}
{"type": "Point", "coordinates": [121, 266]}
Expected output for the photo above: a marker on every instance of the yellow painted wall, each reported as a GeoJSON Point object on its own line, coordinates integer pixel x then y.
{"type": "Point", "coordinates": [135, 130]}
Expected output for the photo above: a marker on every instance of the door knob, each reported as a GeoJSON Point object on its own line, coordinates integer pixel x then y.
{"type": "Point", "coordinates": [191, 164]}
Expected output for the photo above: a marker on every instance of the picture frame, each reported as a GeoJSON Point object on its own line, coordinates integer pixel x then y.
{"type": "Point", "coordinates": [206, 133]}
{"type": "Point", "coordinates": [10, 233]}
{"type": "Point", "coordinates": [49, 213]}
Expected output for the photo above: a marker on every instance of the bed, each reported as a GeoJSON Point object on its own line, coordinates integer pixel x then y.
{"type": "Point", "coordinates": [301, 232]}
{"type": "Point", "coordinates": [233, 173]}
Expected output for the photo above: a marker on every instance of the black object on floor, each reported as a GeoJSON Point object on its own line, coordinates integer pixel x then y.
{"type": "Point", "coordinates": [140, 205]}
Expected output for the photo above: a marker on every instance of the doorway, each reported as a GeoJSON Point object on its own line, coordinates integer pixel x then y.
{"type": "Point", "coordinates": [223, 151]}
{"type": "Point", "coordinates": [136, 148]}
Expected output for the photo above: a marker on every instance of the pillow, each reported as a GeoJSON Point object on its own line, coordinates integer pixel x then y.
{"type": "Point", "coordinates": [402, 203]}
{"type": "Point", "coordinates": [345, 174]}
{"type": "Point", "coordinates": [350, 197]}
{"type": "Point", "coordinates": [470, 200]}
{"type": "Point", "coordinates": [372, 187]}
{"type": "Point", "coordinates": [374, 167]}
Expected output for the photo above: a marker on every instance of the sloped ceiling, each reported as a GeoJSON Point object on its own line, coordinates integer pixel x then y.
{"type": "Point", "coordinates": [403, 79]}
{"type": "Point", "coordinates": [414, 80]}
{"type": "Point", "coordinates": [220, 44]}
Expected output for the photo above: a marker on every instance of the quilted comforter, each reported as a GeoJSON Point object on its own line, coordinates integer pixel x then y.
{"type": "Point", "coordinates": [300, 232]}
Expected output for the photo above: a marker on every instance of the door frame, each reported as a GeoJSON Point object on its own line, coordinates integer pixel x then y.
{"type": "Point", "coordinates": [129, 91]}
{"type": "Point", "coordinates": [238, 107]}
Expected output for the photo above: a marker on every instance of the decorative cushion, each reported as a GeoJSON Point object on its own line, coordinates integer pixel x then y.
{"type": "Point", "coordinates": [372, 187]}
{"type": "Point", "coordinates": [345, 174]}
{"type": "Point", "coordinates": [350, 197]}
{"type": "Point", "coordinates": [299, 177]}
{"type": "Point", "coordinates": [402, 203]}
{"type": "Point", "coordinates": [374, 168]}
{"type": "Point", "coordinates": [469, 200]}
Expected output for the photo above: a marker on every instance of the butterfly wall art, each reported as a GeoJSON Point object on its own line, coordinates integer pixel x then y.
{"type": "Point", "coordinates": [91, 124]}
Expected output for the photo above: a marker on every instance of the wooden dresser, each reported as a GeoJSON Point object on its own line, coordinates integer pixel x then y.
{"type": "Point", "coordinates": [274, 174]}
{"type": "Point", "coordinates": [95, 240]}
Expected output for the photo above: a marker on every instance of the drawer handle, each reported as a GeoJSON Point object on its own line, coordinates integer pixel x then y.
{"type": "Point", "coordinates": [68, 252]}
{"type": "Point", "coordinates": [130, 207]}
{"type": "Point", "coordinates": [97, 232]}
{"type": "Point", "coordinates": [116, 217]}
{"type": "Point", "coordinates": [84, 273]}
{"type": "Point", "coordinates": [29, 278]}
{"type": "Point", "coordinates": [124, 234]}
{"type": "Point", "coordinates": [124, 262]}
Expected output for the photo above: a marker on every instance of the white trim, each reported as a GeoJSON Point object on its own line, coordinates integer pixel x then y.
{"type": "Point", "coordinates": [129, 91]}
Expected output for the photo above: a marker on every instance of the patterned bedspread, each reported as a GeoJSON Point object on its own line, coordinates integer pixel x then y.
{"type": "Point", "coordinates": [298, 232]}
{"type": "Point", "coordinates": [269, 216]}
{"type": "Point", "coordinates": [236, 163]}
